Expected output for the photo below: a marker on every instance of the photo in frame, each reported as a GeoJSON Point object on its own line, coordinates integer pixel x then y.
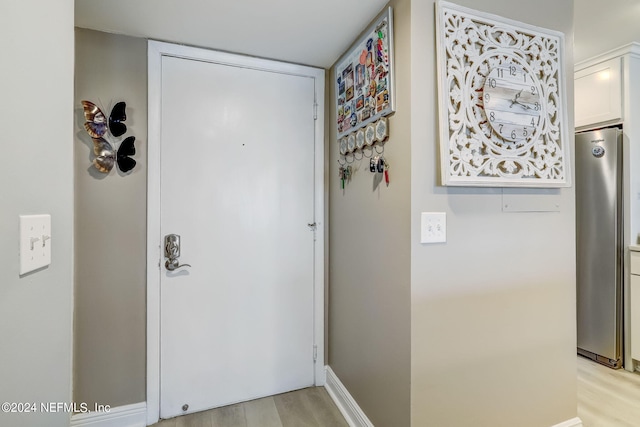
{"type": "Point", "coordinates": [364, 77]}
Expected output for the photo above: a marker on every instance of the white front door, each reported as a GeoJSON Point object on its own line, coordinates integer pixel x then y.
{"type": "Point", "coordinates": [237, 186]}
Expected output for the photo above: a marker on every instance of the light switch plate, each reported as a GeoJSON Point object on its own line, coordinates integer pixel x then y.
{"type": "Point", "coordinates": [35, 242]}
{"type": "Point", "coordinates": [433, 228]}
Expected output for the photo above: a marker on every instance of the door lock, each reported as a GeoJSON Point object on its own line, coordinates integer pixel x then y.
{"type": "Point", "coordinates": [172, 252]}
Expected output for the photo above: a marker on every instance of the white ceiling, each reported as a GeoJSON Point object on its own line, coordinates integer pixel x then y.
{"type": "Point", "coordinates": [300, 31]}
{"type": "Point", "coordinates": [310, 32]}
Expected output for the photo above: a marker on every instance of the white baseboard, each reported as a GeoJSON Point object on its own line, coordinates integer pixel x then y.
{"type": "Point", "coordinates": [574, 422]}
{"type": "Point", "coordinates": [122, 416]}
{"type": "Point", "coordinates": [349, 408]}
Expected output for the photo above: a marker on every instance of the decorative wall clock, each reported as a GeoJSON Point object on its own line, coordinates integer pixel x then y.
{"type": "Point", "coordinates": [502, 101]}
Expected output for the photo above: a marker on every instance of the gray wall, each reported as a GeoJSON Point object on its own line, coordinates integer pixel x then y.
{"type": "Point", "coordinates": [36, 83]}
{"type": "Point", "coordinates": [369, 261]}
{"type": "Point", "coordinates": [493, 309]}
{"type": "Point", "coordinates": [617, 23]}
{"type": "Point", "coordinates": [110, 224]}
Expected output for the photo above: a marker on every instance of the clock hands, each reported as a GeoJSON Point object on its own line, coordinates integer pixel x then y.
{"type": "Point", "coordinates": [515, 101]}
{"type": "Point", "coordinates": [515, 98]}
{"type": "Point", "coordinates": [525, 106]}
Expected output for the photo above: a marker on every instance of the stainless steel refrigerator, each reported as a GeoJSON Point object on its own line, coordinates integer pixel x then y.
{"type": "Point", "coordinates": [599, 245]}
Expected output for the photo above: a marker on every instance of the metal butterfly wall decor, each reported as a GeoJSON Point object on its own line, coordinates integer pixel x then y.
{"type": "Point", "coordinates": [97, 125]}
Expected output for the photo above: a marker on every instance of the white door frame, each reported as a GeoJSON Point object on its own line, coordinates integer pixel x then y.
{"type": "Point", "coordinates": [156, 50]}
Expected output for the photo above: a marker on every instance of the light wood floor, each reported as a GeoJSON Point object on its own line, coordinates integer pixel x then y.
{"type": "Point", "coordinates": [310, 407]}
{"type": "Point", "coordinates": [607, 397]}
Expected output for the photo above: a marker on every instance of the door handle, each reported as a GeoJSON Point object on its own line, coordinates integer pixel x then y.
{"type": "Point", "coordinates": [172, 252]}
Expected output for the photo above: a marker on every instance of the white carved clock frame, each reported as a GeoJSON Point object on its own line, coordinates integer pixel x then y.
{"type": "Point", "coordinates": [471, 44]}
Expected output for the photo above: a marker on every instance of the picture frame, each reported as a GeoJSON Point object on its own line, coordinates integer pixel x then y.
{"type": "Point", "coordinates": [364, 78]}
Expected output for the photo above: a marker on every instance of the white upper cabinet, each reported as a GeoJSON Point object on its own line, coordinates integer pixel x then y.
{"type": "Point", "coordinates": [598, 93]}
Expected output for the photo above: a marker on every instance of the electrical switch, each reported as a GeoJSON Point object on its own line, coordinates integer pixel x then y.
{"type": "Point", "coordinates": [433, 227]}
{"type": "Point", "coordinates": [35, 242]}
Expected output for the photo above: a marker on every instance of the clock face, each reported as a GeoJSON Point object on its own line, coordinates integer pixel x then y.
{"type": "Point", "coordinates": [512, 104]}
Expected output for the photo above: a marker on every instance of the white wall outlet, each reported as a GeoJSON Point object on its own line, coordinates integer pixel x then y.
{"type": "Point", "coordinates": [35, 242]}
{"type": "Point", "coordinates": [433, 227]}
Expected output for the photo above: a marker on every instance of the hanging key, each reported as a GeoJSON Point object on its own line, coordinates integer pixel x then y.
{"type": "Point", "coordinates": [347, 173]}
{"type": "Point", "coordinates": [341, 173]}
{"type": "Point", "coordinates": [386, 173]}
{"type": "Point", "coordinates": [373, 164]}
